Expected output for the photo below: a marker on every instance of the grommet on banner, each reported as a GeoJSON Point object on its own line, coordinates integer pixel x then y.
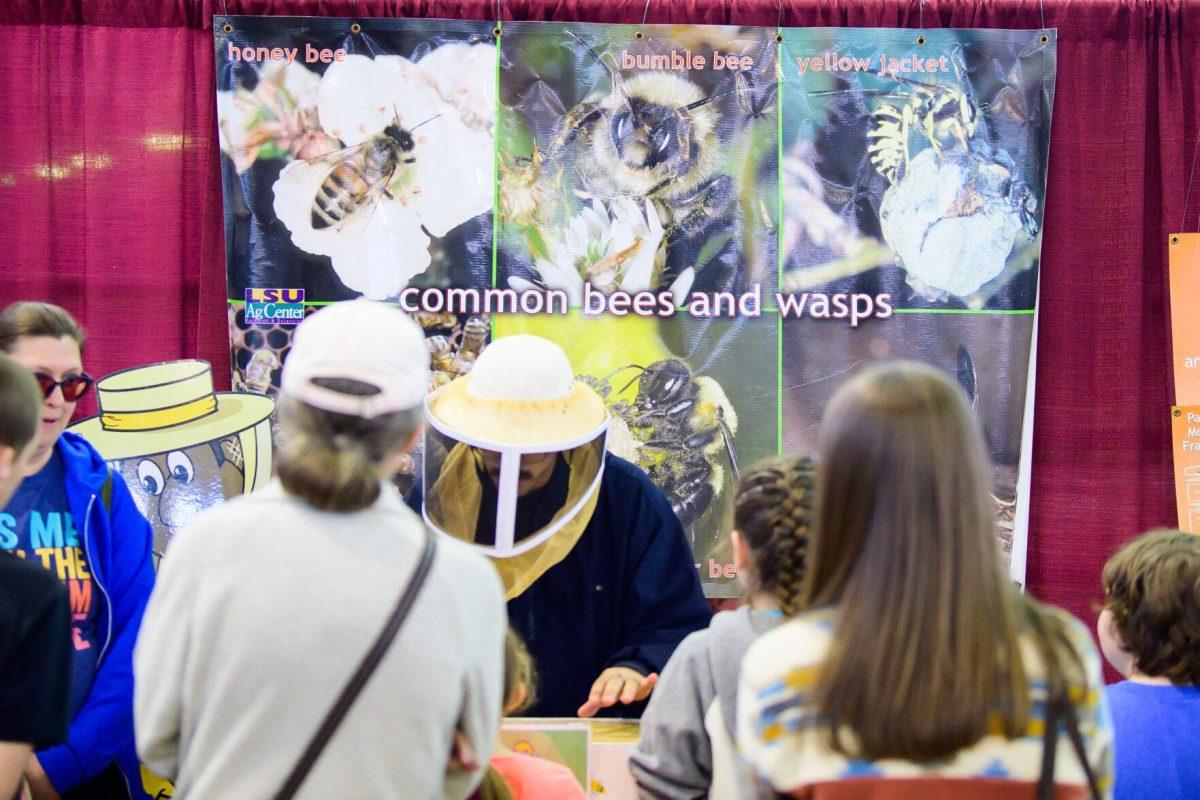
{"type": "Point", "coordinates": [921, 40]}
{"type": "Point", "coordinates": [1178, 413]}
{"type": "Point", "coordinates": [496, 31]}
{"type": "Point", "coordinates": [645, 13]}
{"type": "Point", "coordinates": [1045, 38]}
{"type": "Point", "coordinates": [921, 23]}
{"type": "Point", "coordinates": [779, 38]}
{"type": "Point", "coordinates": [356, 28]}
{"type": "Point", "coordinates": [228, 28]}
{"type": "Point", "coordinates": [1174, 240]}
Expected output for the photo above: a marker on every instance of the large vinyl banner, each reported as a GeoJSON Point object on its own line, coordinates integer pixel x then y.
{"type": "Point", "coordinates": [718, 224]}
{"type": "Point", "coordinates": [914, 167]}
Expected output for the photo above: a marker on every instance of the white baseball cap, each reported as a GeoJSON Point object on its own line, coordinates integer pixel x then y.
{"type": "Point", "coordinates": [364, 341]}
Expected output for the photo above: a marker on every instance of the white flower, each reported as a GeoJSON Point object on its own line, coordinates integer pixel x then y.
{"type": "Point", "coordinates": [300, 82]}
{"type": "Point", "coordinates": [379, 249]}
{"type": "Point", "coordinates": [279, 111]}
{"type": "Point", "coordinates": [613, 247]}
{"type": "Point", "coordinates": [464, 75]}
{"type": "Point", "coordinates": [948, 230]}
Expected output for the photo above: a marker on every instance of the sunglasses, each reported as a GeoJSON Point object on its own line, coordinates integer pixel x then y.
{"type": "Point", "coordinates": [73, 386]}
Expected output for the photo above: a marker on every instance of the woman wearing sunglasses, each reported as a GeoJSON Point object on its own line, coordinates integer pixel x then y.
{"type": "Point", "coordinates": [76, 518]}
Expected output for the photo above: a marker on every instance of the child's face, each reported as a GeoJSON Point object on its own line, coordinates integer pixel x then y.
{"type": "Point", "coordinates": [1112, 646]}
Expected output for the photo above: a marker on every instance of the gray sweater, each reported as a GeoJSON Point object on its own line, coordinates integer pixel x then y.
{"type": "Point", "coordinates": [263, 609]}
{"type": "Point", "coordinates": [686, 736]}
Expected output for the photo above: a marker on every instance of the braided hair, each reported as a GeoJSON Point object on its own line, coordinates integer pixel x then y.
{"type": "Point", "coordinates": [772, 511]}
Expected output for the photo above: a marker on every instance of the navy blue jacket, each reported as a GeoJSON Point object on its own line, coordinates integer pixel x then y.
{"type": "Point", "coordinates": [626, 595]}
{"type": "Point", "coordinates": [117, 543]}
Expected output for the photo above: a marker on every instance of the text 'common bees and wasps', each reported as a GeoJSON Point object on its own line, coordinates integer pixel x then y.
{"type": "Point", "coordinates": [850, 307]}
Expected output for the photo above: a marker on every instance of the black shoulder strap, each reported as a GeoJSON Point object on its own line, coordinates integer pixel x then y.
{"type": "Point", "coordinates": [361, 675]}
{"type": "Point", "coordinates": [1061, 712]}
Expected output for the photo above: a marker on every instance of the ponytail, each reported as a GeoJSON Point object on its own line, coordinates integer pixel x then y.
{"type": "Point", "coordinates": [331, 461]}
{"type": "Point", "coordinates": [771, 512]}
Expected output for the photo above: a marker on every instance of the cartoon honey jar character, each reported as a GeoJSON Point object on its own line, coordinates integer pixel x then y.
{"type": "Point", "coordinates": [180, 445]}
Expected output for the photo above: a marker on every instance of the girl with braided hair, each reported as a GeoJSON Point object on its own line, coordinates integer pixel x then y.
{"type": "Point", "coordinates": [686, 748]}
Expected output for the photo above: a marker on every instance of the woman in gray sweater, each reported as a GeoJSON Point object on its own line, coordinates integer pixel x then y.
{"type": "Point", "coordinates": [686, 749]}
{"type": "Point", "coordinates": [266, 605]}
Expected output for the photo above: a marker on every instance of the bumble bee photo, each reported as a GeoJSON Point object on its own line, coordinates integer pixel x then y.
{"type": "Point", "coordinates": [691, 402]}
{"type": "Point", "coordinates": [627, 161]}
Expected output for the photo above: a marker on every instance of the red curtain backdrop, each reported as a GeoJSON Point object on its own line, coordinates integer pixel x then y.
{"type": "Point", "coordinates": [110, 203]}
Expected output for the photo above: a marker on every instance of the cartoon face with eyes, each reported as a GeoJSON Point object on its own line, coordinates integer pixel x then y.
{"type": "Point", "coordinates": [179, 446]}
{"type": "Point", "coordinates": [172, 488]}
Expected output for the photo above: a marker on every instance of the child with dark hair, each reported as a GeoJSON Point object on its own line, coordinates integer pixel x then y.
{"type": "Point", "coordinates": [35, 661]}
{"type": "Point", "coordinates": [1150, 632]}
{"type": "Point", "coordinates": [686, 748]}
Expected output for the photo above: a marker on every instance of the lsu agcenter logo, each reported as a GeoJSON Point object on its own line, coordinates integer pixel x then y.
{"type": "Point", "coordinates": [274, 306]}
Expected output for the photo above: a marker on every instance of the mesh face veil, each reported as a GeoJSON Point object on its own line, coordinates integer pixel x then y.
{"type": "Point", "coordinates": [514, 454]}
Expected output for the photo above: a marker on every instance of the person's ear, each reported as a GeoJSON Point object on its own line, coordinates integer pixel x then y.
{"type": "Point", "coordinates": [741, 555]}
{"type": "Point", "coordinates": [8, 459]}
{"type": "Point", "coordinates": [413, 439]}
{"type": "Point", "coordinates": [520, 695]}
{"type": "Point", "coordinates": [1112, 645]}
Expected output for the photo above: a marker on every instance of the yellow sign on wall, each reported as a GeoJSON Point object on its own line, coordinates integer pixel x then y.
{"type": "Point", "coordinates": [1185, 433]}
{"type": "Point", "coordinates": [1184, 260]}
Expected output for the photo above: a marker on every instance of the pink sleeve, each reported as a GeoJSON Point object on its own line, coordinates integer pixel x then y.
{"type": "Point", "coordinates": [532, 778]}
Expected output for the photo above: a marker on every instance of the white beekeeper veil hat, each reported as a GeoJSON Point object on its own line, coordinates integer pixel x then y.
{"type": "Point", "coordinates": [514, 456]}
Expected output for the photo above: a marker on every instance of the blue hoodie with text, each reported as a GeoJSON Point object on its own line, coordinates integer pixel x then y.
{"type": "Point", "coordinates": [117, 540]}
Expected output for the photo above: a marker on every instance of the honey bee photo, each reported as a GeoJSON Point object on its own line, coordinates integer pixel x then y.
{"type": "Point", "coordinates": [362, 174]}
{"type": "Point", "coordinates": [637, 158]}
{"type": "Point", "coordinates": [690, 402]}
{"type": "Point", "coordinates": [914, 163]}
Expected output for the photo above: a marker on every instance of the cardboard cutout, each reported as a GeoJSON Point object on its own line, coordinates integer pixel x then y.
{"type": "Point", "coordinates": [180, 446]}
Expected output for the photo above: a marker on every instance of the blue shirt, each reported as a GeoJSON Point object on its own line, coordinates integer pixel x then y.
{"type": "Point", "coordinates": [37, 525]}
{"type": "Point", "coordinates": [1156, 741]}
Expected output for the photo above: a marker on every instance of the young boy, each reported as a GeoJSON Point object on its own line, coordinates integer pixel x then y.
{"type": "Point", "coordinates": [34, 619]}
{"type": "Point", "coordinates": [1150, 632]}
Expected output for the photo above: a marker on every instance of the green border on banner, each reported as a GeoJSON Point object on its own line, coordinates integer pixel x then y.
{"type": "Point", "coordinates": [496, 161]}
{"type": "Point", "coordinates": [984, 311]}
{"type": "Point", "coordinates": [779, 243]}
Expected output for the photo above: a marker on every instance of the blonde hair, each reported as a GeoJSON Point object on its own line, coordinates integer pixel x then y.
{"type": "Point", "coordinates": [772, 510]}
{"type": "Point", "coordinates": [520, 675]}
{"type": "Point", "coordinates": [926, 649]}
{"type": "Point", "coordinates": [331, 461]}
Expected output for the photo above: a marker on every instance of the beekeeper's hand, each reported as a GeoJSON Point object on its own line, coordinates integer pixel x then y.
{"type": "Point", "coordinates": [618, 685]}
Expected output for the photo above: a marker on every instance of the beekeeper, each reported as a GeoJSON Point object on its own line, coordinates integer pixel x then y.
{"type": "Point", "coordinates": [598, 574]}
